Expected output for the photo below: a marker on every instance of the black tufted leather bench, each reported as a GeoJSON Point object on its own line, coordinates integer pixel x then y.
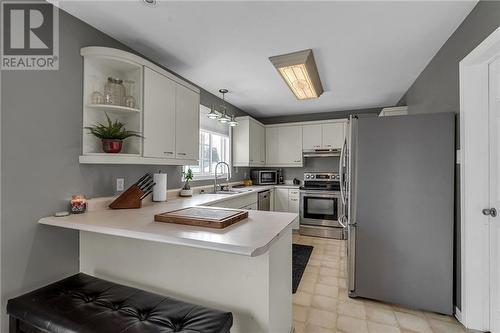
{"type": "Point", "coordinates": [85, 304]}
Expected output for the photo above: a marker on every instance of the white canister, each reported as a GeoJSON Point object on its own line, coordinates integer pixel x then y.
{"type": "Point", "coordinates": [160, 188]}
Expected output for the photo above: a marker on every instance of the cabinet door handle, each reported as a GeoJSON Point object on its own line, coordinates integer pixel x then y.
{"type": "Point", "coordinates": [183, 154]}
{"type": "Point", "coordinates": [328, 145]}
{"type": "Point", "coordinates": [168, 152]}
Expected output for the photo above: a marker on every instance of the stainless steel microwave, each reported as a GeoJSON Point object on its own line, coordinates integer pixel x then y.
{"type": "Point", "coordinates": [264, 177]}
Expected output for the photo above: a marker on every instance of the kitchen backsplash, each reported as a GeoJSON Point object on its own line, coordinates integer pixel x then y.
{"type": "Point", "coordinates": [317, 164]}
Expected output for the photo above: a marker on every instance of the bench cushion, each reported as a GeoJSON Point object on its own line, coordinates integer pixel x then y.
{"type": "Point", "coordinates": [82, 303]}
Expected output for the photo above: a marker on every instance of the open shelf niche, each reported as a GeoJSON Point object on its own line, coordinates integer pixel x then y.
{"type": "Point", "coordinates": [99, 64]}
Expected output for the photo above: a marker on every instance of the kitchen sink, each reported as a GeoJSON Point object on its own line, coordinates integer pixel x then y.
{"type": "Point", "coordinates": [232, 191]}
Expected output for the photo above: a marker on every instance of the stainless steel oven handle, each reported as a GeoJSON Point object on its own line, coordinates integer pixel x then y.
{"type": "Point", "coordinates": [341, 172]}
{"type": "Point", "coordinates": [319, 194]}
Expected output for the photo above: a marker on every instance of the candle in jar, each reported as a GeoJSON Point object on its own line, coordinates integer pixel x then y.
{"type": "Point", "coordinates": [78, 204]}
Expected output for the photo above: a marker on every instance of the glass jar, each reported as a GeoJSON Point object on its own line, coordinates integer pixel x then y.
{"type": "Point", "coordinates": [114, 91]}
{"type": "Point", "coordinates": [96, 98]}
{"type": "Point", "coordinates": [130, 101]}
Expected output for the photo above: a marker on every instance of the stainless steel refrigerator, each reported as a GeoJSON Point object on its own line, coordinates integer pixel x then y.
{"type": "Point", "coordinates": [398, 185]}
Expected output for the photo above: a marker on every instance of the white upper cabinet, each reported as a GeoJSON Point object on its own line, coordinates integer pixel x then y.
{"type": "Point", "coordinates": [311, 136]}
{"type": "Point", "coordinates": [284, 146]}
{"type": "Point", "coordinates": [323, 136]}
{"type": "Point", "coordinates": [159, 115]}
{"type": "Point", "coordinates": [333, 135]}
{"type": "Point", "coordinates": [249, 148]}
{"type": "Point", "coordinates": [262, 141]}
{"type": "Point", "coordinates": [187, 123]}
{"type": "Point", "coordinates": [171, 119]}
{"type": "Point", "coordinates": [272, 145]}
{"type": "Point", "coordinates": [165, 112]}
{"type": "Point", "coordinates": [290, 145]}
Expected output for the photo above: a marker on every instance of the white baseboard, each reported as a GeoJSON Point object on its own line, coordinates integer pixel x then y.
{"type": "Point", "coordinates": [458, 314]}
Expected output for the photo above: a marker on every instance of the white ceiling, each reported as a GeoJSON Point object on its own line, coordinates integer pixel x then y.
{"type": "Point", "coordinates": [368, 53]}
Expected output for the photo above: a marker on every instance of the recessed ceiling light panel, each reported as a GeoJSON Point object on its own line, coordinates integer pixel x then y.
{"type": "Point", "coordinates": [299, 71]}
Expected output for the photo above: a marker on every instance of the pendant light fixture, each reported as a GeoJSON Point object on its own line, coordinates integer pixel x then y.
{"type": "Point", "coordinates": [224, 118]}
{"type": "Point", "coordinates": [212, 114]}
{"type": "Point", "coordinates": [233, 121]}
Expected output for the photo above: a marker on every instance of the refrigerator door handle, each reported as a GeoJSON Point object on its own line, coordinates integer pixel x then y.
{"type": "Point", "coordinates": [341, 220]}
{"type": "Point", "coordinates": [341, 172]}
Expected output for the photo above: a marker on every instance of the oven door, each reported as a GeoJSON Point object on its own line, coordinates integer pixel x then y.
{"type": "Point", "coordinates": [268, 177]}
{"type": "Point", "coordinates": [320, 208]}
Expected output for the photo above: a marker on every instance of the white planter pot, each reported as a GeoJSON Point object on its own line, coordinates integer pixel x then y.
{"type": "Point", "coordinates": [186, 193]}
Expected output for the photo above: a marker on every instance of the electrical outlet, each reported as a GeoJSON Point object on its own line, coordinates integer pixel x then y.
{"type": "Point", "coordinates": [120, 184]}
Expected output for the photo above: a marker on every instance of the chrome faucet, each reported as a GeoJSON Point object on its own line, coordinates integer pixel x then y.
{"type": "Point", "coordinates": [215, 174]}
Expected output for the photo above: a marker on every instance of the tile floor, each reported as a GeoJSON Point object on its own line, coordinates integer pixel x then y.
{"type": "Point", "coordinates": [321, 304]}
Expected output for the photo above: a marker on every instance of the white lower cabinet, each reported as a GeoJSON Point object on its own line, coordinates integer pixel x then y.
{"type": "Point", "coordinates": [253, 206]}
{"type": "Point", "coordinates": [281, 200]}
{"type": "Point", "coordinates": [287, 200]}
{"type": "Point", "coordinates": [272, 195]}
{"type": "Point", "coordinates": [244, 202]}
{"type": "Point", "coordinates": [293, 201]}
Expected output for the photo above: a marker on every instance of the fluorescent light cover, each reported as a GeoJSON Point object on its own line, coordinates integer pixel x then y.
{"type": "Point", "coordinates": [299, 71]}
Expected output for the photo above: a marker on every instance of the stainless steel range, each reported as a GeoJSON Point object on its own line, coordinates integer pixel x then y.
{"type": "Point", "coordinates": [321, 208]}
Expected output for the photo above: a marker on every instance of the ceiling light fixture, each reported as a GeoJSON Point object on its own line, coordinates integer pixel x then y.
{"type": "Point", "coordinates": [150, 3]}
{"type": "Point", "coordinates": [299, 71]}
{"type": "Point", "coordinates": [224, 118]}
{"type": "Point", "coordinates": [212, 114]}
{"type": "Point", "coordinates": [233, 121]}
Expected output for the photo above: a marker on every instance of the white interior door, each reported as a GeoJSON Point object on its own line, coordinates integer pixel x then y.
{"type": "Point", "coordinates": [494, 121]}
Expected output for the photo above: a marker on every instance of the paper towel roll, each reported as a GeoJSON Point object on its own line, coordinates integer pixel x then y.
{"type": "Point", "coordinates": [160, 188]}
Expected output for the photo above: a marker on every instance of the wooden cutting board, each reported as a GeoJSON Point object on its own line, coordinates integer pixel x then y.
{"type": "Point", "coordinates": [210, 217]}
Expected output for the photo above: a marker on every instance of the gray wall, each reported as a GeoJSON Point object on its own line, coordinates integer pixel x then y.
{"type": "Point", "coordinates": [318, 116]}
{"type": "Point", "coordinates": [437, 89]}
{"type": "Point", "coordinates": [41, 124]}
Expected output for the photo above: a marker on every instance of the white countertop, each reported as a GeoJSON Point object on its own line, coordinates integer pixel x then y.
{"type": "Point", "coordinates": [250, 237]}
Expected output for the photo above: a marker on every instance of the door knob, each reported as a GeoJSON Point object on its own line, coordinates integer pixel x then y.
{"type": "Point", "coordinates": [490, 211]}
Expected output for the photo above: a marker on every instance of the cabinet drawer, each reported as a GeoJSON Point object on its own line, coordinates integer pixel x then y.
{"type": "Point", "coordinates": [293, 194]}
{"type": "Point", "coordinates": [240, 202]}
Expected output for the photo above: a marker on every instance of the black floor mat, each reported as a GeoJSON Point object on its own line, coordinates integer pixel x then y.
{"type": "Point", "coordinates": [300, 257]}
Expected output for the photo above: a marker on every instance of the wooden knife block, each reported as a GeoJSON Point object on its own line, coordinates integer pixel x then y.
{"type": "Point", "coordinates": [129, 199]}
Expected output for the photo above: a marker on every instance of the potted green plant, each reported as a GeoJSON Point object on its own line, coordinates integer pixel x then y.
{"type": "Point", "coordinates": [111, 135]}
{"type": "Point", "coordinates": [186, 190]}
